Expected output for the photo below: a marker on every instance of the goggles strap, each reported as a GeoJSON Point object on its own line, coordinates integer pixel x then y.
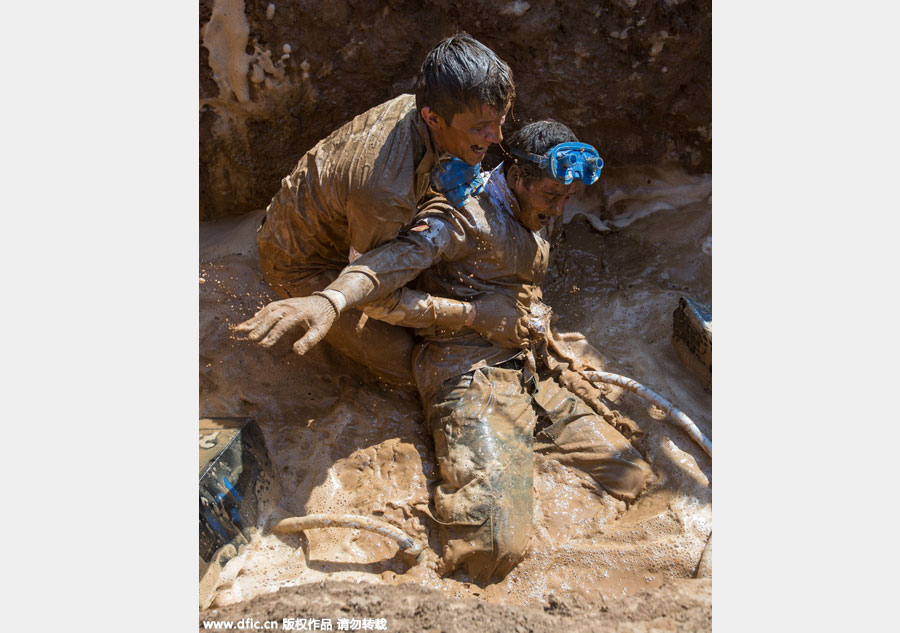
{"type": "Point", "coordinates": [542, 161]}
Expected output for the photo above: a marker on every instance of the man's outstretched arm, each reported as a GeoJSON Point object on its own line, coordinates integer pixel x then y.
{"type": "Point", "coordinates": [373, 276]}
{"type": "Point", "coordinates": [379, 276]}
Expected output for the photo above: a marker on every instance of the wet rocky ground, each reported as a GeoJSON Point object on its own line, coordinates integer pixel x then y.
{"type": "Point", "coordinates": [342, 442]}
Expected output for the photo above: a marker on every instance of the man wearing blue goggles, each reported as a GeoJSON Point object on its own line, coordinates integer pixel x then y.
{"type": "Point", "coordinates": [544, 183]}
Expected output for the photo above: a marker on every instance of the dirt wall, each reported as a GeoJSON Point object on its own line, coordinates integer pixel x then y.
{"type": "Point", "coordinates": [630, 76]}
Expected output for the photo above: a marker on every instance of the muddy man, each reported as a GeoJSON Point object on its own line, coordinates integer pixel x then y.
{"type": "Point", "coordinates": [484, 395]}
{"type": "Point", "coordinates": [359, 186]}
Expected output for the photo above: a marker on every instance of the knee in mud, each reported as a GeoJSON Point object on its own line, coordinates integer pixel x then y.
{"type": "Point", "coordinates": [492, 549]}
{"type": "Point", "coordinates": [510, 545]}
{"type": "Point", "coordinates": [637, 479]}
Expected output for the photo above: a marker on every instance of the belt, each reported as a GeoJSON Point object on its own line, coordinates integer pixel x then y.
{"type": "Point", "coordinates": [513, 363]}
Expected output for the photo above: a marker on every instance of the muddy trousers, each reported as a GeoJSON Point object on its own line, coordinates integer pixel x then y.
{"type": "Point", "coordinates": [483, 427]}
{"type": "Point", "coordinates": [384, 349]}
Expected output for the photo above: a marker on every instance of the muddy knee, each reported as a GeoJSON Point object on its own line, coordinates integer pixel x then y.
{"type": "Point", "coordinates": [628, 478]}
{"type": "Point", "coordinates": [489, 537]}
{"type": "Point", "coordinates": [511, 536]}
{"type": "Point", "coordinates": [594, 446]}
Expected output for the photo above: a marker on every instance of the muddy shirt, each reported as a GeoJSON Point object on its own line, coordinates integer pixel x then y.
{"type": "Point", "coordinates": [464, 253]}
{"type": "Point", "coordinates": [354, 190]}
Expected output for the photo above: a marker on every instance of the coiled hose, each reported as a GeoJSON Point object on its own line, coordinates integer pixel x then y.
{"type": "Point", "coordinates": [556, 356]}
{"type": "Point", "coordinates": [677, 415]}
{"type": "Point", "coordinates": [408, 545]}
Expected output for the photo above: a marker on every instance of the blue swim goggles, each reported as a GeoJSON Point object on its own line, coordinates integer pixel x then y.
{"type": "Point", "coordinates": [457, 180]}
{"type": "Point", "coordinates": [568, 162]}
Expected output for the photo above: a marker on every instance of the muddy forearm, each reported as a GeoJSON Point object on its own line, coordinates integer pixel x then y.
{"type": "Point", "coordinates": [381, 271]}
{"type": "Point", "coordinates": [416, 309]}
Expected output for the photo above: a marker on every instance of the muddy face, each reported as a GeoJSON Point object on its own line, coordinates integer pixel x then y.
{"type": "Point", "coordinates": [539, 201]}
{"type": "Point", "coordinates": [469, 133]}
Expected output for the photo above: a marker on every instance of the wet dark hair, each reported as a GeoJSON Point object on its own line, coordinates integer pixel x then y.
{"type": "Point", "coordinates": [538, 138]}
{"type": "Point", "coordinates": [459, 73]}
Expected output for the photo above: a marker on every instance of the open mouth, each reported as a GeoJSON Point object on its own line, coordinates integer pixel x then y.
{"type": "Point", "coordinates": [544, 219]}
{"type": "Point", "coordinates": [479, 149]}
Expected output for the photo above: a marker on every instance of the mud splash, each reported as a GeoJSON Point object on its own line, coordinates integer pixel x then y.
{"type": "Point", "coordinates": [343, 443]}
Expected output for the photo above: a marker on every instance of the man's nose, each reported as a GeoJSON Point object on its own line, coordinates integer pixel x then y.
{"type": "Point", "coordinates": [493, 134]}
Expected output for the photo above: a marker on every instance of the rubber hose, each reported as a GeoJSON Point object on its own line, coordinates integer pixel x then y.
{"type": "Point", "coordinates": [407, 544]}
{"type": "Point", "coordinates": [681, 420]}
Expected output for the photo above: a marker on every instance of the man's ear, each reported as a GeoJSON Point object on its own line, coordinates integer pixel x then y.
{"type": "Point", "coordinates": [514, 176]}
{"type": "Point", "coordinates": [432, 119]}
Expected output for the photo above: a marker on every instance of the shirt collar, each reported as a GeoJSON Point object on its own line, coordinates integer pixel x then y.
{"type": "Point", "coordinates": [499, 192]}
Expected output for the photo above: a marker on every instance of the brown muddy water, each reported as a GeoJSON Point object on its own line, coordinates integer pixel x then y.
{"type": "Point", "coordinates": [343, 443]}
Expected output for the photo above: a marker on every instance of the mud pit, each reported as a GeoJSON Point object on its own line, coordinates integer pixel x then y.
{"type": "Point", "coordinates": [342, 442]}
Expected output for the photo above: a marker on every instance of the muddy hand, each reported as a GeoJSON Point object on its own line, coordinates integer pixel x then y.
{"type": "Point", "coordinates": [540, 318]}
{"type": "Point", "coordinates": [288, 318]}
{"type": "Point", "coordinates": [499, 319]}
